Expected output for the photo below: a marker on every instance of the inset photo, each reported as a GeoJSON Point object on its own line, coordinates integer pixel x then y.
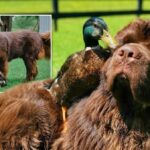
{"type": "Point", "coordinates": [25, 49]}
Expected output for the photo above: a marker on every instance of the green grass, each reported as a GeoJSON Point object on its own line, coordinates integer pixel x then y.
{"type": "Point", "coordinates": [17, 72]}
{"type": "Point", "coordinates": [40, 6]}
{"type": "Point", "coordinates": [99, 5]}
{"type": "Point", "coordinates": [25, 6]}
{"type": "Point", "coordinates": [81, 5]}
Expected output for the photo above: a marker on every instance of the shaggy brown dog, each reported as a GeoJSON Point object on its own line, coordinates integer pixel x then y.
{"type": "Point", "coordinates": [27, 45]}
{"type": "Point", "coordinates": [116, 115]}
{"type": "Point", "coordinates": [135, 32]}
{"type": "Point", "coordinates": [29, 117]}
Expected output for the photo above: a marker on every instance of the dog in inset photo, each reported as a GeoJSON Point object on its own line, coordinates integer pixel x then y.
{"type": "Point", "coordinates": [26, 44]}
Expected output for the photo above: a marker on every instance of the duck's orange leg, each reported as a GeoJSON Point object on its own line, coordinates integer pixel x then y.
{"type": "Point", "coordinates": [64, 115]}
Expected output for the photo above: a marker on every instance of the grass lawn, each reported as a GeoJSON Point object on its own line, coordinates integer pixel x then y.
{"type": "Point", "coordinates": [25, 6]}
{"type": "Point", "coordinates": [17, 72]}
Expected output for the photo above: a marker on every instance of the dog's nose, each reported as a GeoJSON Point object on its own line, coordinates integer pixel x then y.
{"type": "Point", "coordinates": [129, 53]}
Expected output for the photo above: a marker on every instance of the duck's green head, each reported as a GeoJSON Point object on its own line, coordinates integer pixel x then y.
{"type": "Point", "coordinates": [95, 29]}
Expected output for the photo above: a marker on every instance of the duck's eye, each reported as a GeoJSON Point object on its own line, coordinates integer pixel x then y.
{"type": "Point", "coordinates": [95, 25]}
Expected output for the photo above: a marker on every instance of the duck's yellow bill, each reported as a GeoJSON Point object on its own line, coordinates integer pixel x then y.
{"type": "Point", "coordinates": [108, 40]}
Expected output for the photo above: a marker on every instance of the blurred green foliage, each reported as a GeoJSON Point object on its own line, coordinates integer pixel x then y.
{"type": "Point", "coordinates": [25, 22]}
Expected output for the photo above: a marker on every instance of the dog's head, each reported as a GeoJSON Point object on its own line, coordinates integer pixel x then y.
{"type": "Point", "coordinates": [127, 73]}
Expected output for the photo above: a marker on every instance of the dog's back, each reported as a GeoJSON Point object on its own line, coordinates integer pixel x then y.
{"type": "Point", "coordinates": [29, 116]}
{"type": "Point", "coordinates": [20, 43]}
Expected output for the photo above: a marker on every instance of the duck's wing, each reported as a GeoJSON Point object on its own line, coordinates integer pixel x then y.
{"type": "Point", "coordinates": [67, 64]}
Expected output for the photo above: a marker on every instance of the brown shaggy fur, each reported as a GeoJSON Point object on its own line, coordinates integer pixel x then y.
{"type": "Point", "coordinates": [29, 117]}
{"type": "Point", "coordinates": [135, 32]}
{"type": "Point", "coordinates": [27, 45]}
{"type": "Point", "coordinates": [116, 115]}
{"type": "Point", "coordinates": [47, 44]}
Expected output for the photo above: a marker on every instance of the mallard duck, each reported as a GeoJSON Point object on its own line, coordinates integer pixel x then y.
{"type": "Point", "coordinates": [95, 29]}
{"type": "Point", "coordinates": [79, 75]}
